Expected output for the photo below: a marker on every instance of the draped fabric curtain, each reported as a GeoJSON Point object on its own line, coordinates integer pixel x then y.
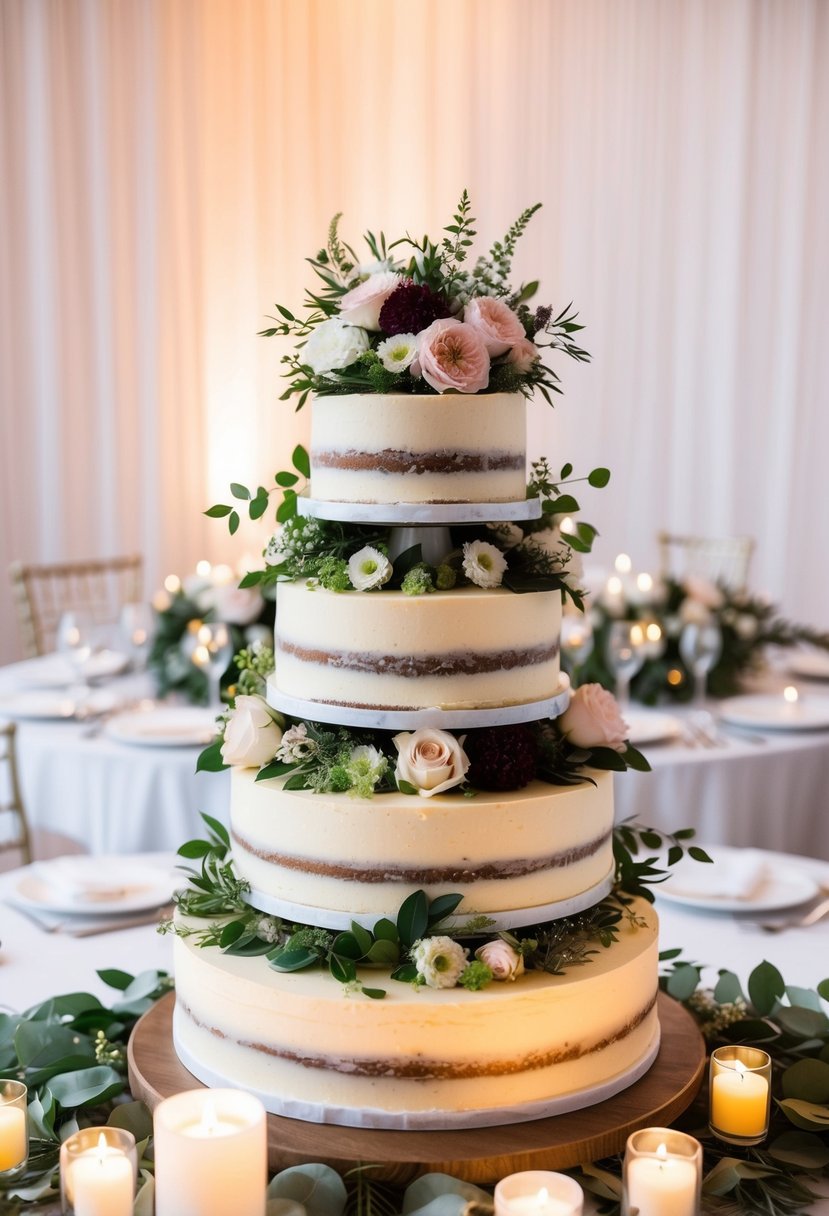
{"type": "Point", "coordinates": [167, 164]}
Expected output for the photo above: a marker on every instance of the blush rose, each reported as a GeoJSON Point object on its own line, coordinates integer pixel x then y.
{"type": "Point", "coordinates": [592, 719]}
{"type": "Point", "coordinates": [361, 306]}
{"type": "Point", "coordinates": [430, 760]}
{"type": "Point", "coordinates": [452, 355]}
{"type": "Point", "coordinates": [495, 322]}
{"type": "Point", "coordinates": [503, 960]}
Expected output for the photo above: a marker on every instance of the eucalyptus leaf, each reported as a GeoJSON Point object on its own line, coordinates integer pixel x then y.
{"type": "Point", "coordinates": [800, 1149]}
{"type": "Point", "coordinates": [39, 1044]}
{"type": "Point", "coordinates": [86, 1086]}
{"type": "Point", "coordinates": [805, 998]}
{"type": "Point", "coordinates": [144, 1204]}
{"type": "Point", "coordinates": [765, 987]}
{"type": "Point", "coordinates": [423, 1192]}
{"type": "Point", "coordinates": [805, 1023]}
{"type": "Point", "coordinates": [728, 988]}
{"type": "Point", "coordinates": [807, 1079]}
{"type": "Point", "coordinates": [292, 960]}
{"type": "Point", "coordinates": [114, 978]}
{"type": "Point", "coordinates": [133, 1117]}
{"type": "Point", "coordinates": [317, 1188]}
{"type": "Point", "coordinates": [683, 981]}
{"type": "Point", "coordinates": [811, 1116]}
{"type": "Point", "coordinates": [383, 953]}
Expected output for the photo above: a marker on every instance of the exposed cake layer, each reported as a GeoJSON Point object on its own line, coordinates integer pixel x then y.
{"type": "Point", "coordinates": [419, 1055]}
{"type": "Point", "coordinates": [331, 853]}
{"type": "Point", "coordinates": [404, 448]}
{"type": "Point", "coordinates": [471, 648]}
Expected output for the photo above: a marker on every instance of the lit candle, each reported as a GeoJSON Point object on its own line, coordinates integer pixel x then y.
{"type": "Point", "coordinates": [210, 1154]}
{"type": "Point", "coordinates": [623, 564]}
{"type": "Point", "coordinates": [538, 1193]}
{"type": "Point", "coordinates": [98, 1170]}
{"type": "Point", "coordinates": [644, 583]}
{"type": "Point", "coordinates": [740, 1092]}
{"type": "Point", "coordinates": [613, 598]}
{"type": "Point", "coordinates": [14, 1139]}
{"type": "Point", "coordinates": [662, 1173]}
{"type": "Point", "coordinates": [172, 583]}
{"type": "Point", "coordinates": [790, 701]}
{"type": "Point", "coordinates": [203, 568]}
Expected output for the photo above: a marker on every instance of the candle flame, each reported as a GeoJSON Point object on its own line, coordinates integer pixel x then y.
{"type": "Point", "coordinates": [654, 632]}
{"type": "Point", "coordinates": [172, 583]}
{"type": "Point", "coordinates": [203, 569]}
{"type": "Point", "coordinates": [740, 1069]}
{"type": "Point", "coordinates": [542, 1197]}
{"type": "Point", "coordinates": [662, 1152]}
{"type": "Point", "coordinates": [567, 525]}
{"type": "Point", "coordinates": [637, 635]}
{"type": "Point", "coordinates": [790, 694]}
{"type": "Point", "coordinates": [623, 564]}
{"type": "Point", "coordinates": [209, 1118]}
{"type": "Point", "coordinates": [614, 585]}
{"type": "Point", "coordinates": [644, 582]}
{"type": "Point", "coordinates": [103, 1148]}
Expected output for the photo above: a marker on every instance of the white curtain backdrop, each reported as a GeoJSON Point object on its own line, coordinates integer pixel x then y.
{"type": "Point", "coordinates": [166, 165]}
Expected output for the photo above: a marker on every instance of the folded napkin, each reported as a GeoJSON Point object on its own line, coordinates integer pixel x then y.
{"type": "Point", "coordinates": [741, 875]}
{"type": "Point", "coordinates": [87, 880]}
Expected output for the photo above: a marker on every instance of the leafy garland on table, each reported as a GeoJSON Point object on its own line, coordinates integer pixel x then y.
{"type": "Point", "coordinates": [56, 1046]}
{"type": "Point", "coordinates": [529, 555]}
{"type": "Point", "coordinates": [248, 614]}
{"type": "Point", "coordinates": [748, 624]}
{"type": "Point", "coordinates": [368, 323]}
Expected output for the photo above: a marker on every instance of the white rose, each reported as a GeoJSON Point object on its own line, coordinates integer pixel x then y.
{"type": "Point", "coordinates": [332, 345]}
{"type": "Point", "coordinates": [362, 305]}
{"type": "Point", "coordinates": [592, 719]}
{"type": "Point", "coordinates": [693, 612]}
{"type": "Point", "coordinates": [369, 568]}
{"type": "Point", "coordinates": [251, 735]}
{"type": "Point", "coordinates": [430, 760]}
{"type": "Point", "coordinates": [503, 960]}
{"type": "Point", "coordinates": [237, 605]}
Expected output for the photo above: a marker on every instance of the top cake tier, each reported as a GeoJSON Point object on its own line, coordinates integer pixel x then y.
{"type": "Point", "coordinates": [404, 448]}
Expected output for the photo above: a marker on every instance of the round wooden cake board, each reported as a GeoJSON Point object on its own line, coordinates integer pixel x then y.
{"type": "Point", "coordinates": [480, 1155]}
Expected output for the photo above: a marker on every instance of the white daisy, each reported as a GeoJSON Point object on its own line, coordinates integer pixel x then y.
{"type": "Point", "coordinates": [398, 352]}
{"type": "Point", "coordinates": [483, 564]}
{"type": "Point", "coordinates": [440, 962]}
{"type": "Point", "coordinates": [369, 568]}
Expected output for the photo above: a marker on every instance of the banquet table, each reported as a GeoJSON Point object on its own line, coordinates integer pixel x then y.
{"type": "Point", "coordinates": [35, 965]}
{"type": "Point", "coordinates": [765, 789]}
{"type": "Point", "coordinates": [115, 797]}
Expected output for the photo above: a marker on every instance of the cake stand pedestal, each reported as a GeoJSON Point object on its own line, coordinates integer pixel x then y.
{"type": "Point", "coordinates": [481, 1155]}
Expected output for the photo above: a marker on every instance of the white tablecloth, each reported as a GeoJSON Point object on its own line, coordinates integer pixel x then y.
{"type": "Point", "coordinates": [115, 797]}
{"type": "Point", "coordinates": [772, 795]}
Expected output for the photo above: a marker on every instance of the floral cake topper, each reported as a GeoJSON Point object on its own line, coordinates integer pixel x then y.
{"type": "Point", "coordinates": [417, 318]}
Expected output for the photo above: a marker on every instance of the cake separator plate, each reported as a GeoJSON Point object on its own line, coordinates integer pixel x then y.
{"type": "Point", "coordinates": [418, 512]}
{"type": "Point", "coordinates": [434, 717]}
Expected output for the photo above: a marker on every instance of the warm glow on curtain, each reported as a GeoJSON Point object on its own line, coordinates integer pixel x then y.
{"type": "Point", "coordinates": [167, 165]}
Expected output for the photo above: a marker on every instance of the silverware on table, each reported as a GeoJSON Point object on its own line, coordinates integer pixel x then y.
{"type": "Point", "coordinates": [817, 913]}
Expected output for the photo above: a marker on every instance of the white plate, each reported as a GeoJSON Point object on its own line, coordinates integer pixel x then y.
{"type": "Point", "coordinates": [166, 726]}
{"type": "Point", "coordinates": [646, 726]}
{"type": "Point", "coordinates": [143, 887]}
{"type": "Point", "coordinates": [809, 664]}
{"type": "Point", "coordinates": [44, 705]}
{"type": "Point", "coordinates": [768, 711]}
{"type": "Point", "coordinates": [777, 886]}
{"type": "Point", "coordinates": [55, 671]}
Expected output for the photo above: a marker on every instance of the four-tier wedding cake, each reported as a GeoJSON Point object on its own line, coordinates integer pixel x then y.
{"type": "Point", "coordinates": [415, 920]}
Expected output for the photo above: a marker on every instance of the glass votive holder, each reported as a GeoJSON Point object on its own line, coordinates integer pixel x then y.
{"type": "Point", "coordinates": [739, 1094]}
{"type": "Point", "coordinates": [14, 1130]}
{"type": "Point", "coordinates": [538, 1193]}
{"type": "Point", "coordinates": [662, 1173]}
{"type": "Point", "coordinates": [98, 1172]}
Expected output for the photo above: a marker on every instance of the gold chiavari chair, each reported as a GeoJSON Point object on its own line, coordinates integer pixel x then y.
{"type": "Point", "coordinates": [724, 560]}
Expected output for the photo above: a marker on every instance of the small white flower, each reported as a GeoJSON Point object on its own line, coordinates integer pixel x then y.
{"type": "Point", "coordinates": [397, 353]}
{"type": "Point", "coordinates": [274, 552]}
{"type": "Point", "coordinates": [366, 761]}
{"type": "Point", "coordinates": [296, 746]}
{"type": "Point", "coordinates": [746, 626]}
{"type": "Point", "coordinates": [483, 564]}
{"type": "Point", "coordinates": [369, 568]}
{"type": "Point", "coordinates": [440, 962]}
{"type": "Point", "coordinates": [267, 927]}
{"type": "Point", "coordinates": [333, 345]}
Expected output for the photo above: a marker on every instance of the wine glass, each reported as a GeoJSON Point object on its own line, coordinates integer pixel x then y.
{"type": "Point", "coordinates": [75, 640]}
{"type": "Point", "coordinates": [576, 640]}
{"type": "Point", "coordinates": [212, 653]}
{"type": "Point", "coordinates": [700, 645]}
{"type": "Point", "coordinates": [625, 654]}
{"type": "Point", "coordinates": [137, 622]}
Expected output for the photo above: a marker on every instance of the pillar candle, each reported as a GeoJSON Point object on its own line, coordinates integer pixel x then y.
{"type": "Point", "coordinates": [662, 1173]}
{"type": "Point", "coordinates": [210, 1154]}
{"type": "Point", "coordinates": [98, 1171]}
{"type": "Point", "coordinates": [13, 1144]}
{"type": "Point", "coordinates": [740, 1091]}
{"type": "Point", "coordinates": [538, 1193]}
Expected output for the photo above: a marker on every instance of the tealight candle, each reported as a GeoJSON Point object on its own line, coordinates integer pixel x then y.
{"type": "Point", "coordinates": [14, 1138]}
{"type": "Point", "coordinates": [98, 1169]}
{"type": "Point", "coordinates": [740, 1094]}
{"type": "Point", "coordinates": [538, 1193]}
{"type": "Point", "coordinates": [210, 1154]}
{"type": "Point", "coordinates": [662, 1173]}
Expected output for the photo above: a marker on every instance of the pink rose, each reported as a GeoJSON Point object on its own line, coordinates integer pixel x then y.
{"type": "Point", "coordinates": [704, 592]}
{"type": "Point", "coordinates": [593, 720]}
{"type": "Point", "coordinates": [503, 960]}
{"type": "Point", "coordinates": [361, 306]}
{"type": "Point", "coordinates": [523, 355]}
{"type": "Point", "coordinates": [498, 325]}
{"type": "Point", "coordinates": [452, 355]}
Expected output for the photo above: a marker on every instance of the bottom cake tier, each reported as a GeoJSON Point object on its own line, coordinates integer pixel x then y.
{"type": "Point", "coordinates": [421, 1057]}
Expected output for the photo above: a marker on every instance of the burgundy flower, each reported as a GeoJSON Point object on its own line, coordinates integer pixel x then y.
{"type": "Point", "coordinates": [501, 757]}
{"type": "Point", "coordinates": [410, 308]}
